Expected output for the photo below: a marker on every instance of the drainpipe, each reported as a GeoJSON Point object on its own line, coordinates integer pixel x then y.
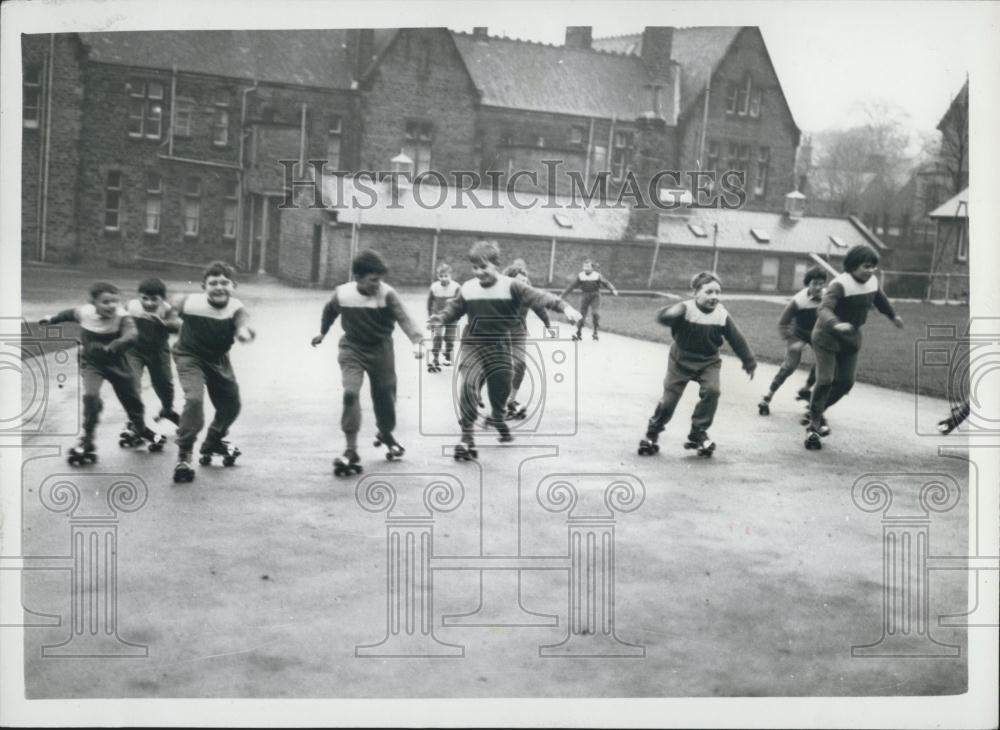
{"type": "Point", "coordinates": [43, 232]}
{"type": "Point", "coordinates": [611, 140]}
{"type": "Point", "coordinates": [241, 181]}
{"type": "Point", "coordinates": [302, 142]}
{"type": "Point", "coordinates": [704, 125]}
{"type": "Point", "coordinates": [173, 108]}
{"type": "Point", "coordinates": [590, 145]}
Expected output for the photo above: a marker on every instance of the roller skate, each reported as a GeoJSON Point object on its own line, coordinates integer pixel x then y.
{"type": "Point", "coordinates": [82, 454]}
{"type": "Point", "coordinates": [169, 414]}
{"type": "Point", "coordinates": [803, 394]}
{"type": "Point", "coordinates": [824, 428]}
{"type": "Point", "coordinates": [446, 360]}
{"type": "Point", "coordinates": [347, 464]}
{"type": "Point", "coordinates": [595, 337]}
{"type": "Point", "coordinates": [182, 470]}
{"type": "Point", "coordinates": [649, 446]}
{"type": "Point", "coordinates": [515, 411]}
{"type": "Point", "coordinates": [578, 336]}
{"type": "Point", "coordinates": [218, 447]}
{"type": "Point", "coordinates": [813, 441]}
{"type": "Point", "coordinates": [129, 437]}
{"type": "Point", "coordinates": [699, 441]}
{"type": "Point", "coordinates": [503, 430]}
{"type": "Point", "coordinates": [395, 451]}
{"type": "Point", "coordinates": [466, 450]}
{"type": "Point", "coordinates": [764, 407]}
{"type": "Point", "coordinates": [433, 366]}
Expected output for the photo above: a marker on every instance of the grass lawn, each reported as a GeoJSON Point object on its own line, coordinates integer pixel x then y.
{"type": "Point", "coordinates": [887, 354]}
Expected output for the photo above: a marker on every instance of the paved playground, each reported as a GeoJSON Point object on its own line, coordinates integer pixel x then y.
{"type": "Point", "coordinates": [749, 574]}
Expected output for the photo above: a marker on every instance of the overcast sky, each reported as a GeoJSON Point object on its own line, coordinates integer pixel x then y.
{"type": "Point", "coordinates": [830, 59]}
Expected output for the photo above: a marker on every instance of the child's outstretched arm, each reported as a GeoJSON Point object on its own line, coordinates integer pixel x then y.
{"type": "Point", "coordinates": [452, 311]}
{"type": "Point", "coordinates": [608, 285]}
{"type": "Point", "coordinates": [740, 346]}
{"type": "Point", "coordinates": [129, 334]}
{"type": "Point", "coordinates": [883, 305]}
{"type": "Point", "coordinates": [539, 299]}
{"type": "Point", "coordinates": [670, 314]}
{"type": "Point", "coordinates": [243, 331]}
{"type": "Point", "coordinates": [573, 285]}
{"type": "Point", "coordinates": [400, 314]}
{"type": "Point", "coordinates": [330, 312]}
{"type": "Point", "coordinates": [66, 315]}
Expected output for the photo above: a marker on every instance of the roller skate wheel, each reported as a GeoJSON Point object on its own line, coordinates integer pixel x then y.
{"type": "Point", "coordinates": [804, 421]}
{"type": "Point", "coordinates": [228, 460]}
{"type": "Point", "coordinates": [763, 409]}
{"type": "Point", "coordinates": [205, 459]}
{"type": "Point", "coordinates": [813, 442]}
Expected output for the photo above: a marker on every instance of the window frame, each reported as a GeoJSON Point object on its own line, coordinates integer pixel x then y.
{"type": "Point", "coordinates": [220, 123]}
{"type": "Point", "coordinates": [153, 195]}
{"type": "Point", "coordinates": [116, 191]}
{"type": "Point", "coordinates": [191, 197]}
{"type": "Point", "coordinates": [762, 172]}
{"type": "Point", "coordinates": [31, 122]}
{"type": "Point", "coordinates": [184, 108]}
{"type": "Point", "coordinates": [621, 157]}
{"type": "Point", "coordinates": [230, 207]}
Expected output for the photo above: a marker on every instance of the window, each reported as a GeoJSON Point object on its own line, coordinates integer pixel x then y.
{"type": "Point", "coordinates": [743, 97]}
{"type": "Point", "coordinates": [506, 139]}
{"type": "Point", "coordinates": [192, 206]}
{"type": "Point", "coordinates": [599, 158]}
{"type": "Point", "coordinates": [220, 127]}
{"type": "Point", "coordinates": [154, 202]}
{"type": "Point", "coordinates": [732, 92]}
{"type": "Point", "coordinates": [417, 145]}
{"type": "Point", "coordinates": [145, 109]}
{"type": "Point", "coordinates": [112, 199]}
{"type": "Point", "coordinates": [962, 246]}
{"type": "Point", "coordinates": [333, 134]}
{"type": "Point", "coordinates": [739, 159]}
{"type": "Point", "coordinates": [755, 96]}
{"type": "Point", "coordinates": [769, 271]}
{"type": "Point", "coordinates": [621, 155]}
{"type": "Point", "coordinates": [539, 141]}
{"type": "Point", "coordinates": [32, 105]}
{"type": "Point", "coordinates": [576, 136]}
{"type": "Point", "coordinates": [230, 191]}
{"type": "Point", "coordinates": [763, 164]}
{"type": "Point", "coordinates": [183, 116]}
{"type": "Point", "coordinates": [712, 161]}
{"type": "Point", "coordinates": [838, 241]}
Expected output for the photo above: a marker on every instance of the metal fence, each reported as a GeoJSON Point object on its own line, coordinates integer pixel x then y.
{"type": "Point", "coordinates": [948, 287]}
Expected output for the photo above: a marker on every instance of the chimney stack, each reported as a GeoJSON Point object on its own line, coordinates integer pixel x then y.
{"type": "Point", "coordinates": [578, 36]}
{"type": "Point", "coordinates": [657, 44]}
{"type": "Point", "coordinates": [480, 33]}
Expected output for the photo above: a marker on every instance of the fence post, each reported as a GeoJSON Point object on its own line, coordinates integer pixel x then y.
{"type": "Point", "coordinates": [652, 266]}
{"type": "Point", "coordinates": [947, 288]}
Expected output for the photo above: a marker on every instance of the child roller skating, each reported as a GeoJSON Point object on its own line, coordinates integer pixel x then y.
{"type": "Point", "coordinates": [795, 326]}
{"type": "Point", "coordinates": [589, 282]}
{"type": "Point", "coordinates": [441, 292]}
{"type": "Point", "coordinates": [106, 332]}
{"type": "Point", "coordinates": [492, 303]}
{"type": "Point", "coordinates": [155, 321]}
{"type": "Point", "coordinates": [212, 321]}
{"type": "Point", "coordinates": [699, 327]}
{"type": "Point", "coordinates": [836, 337]}
{"type": "Point", "coordinates": [518, 341]}
{"type": "Point", "coordinates": [369, 310]}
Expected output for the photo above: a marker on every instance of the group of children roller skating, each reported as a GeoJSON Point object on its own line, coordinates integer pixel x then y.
{"type": "Point", "coordinates": [118, 343]}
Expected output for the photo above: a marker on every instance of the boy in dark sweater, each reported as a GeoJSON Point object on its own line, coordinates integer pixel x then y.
{"type": "Point", "coordinates": [492, 303]}
{"type": "Point", "coordinates": [106, 332]}
{"type": "Point", "coordinates": [699, 326]}
{"type": "Point", "coordinates": [369, 310]}
{"type": "Point", "coordinates": [518, 270]}
{"type": "Point", "coordinates": [589, 282]}
{"type": "Point", "coordinates": [836, 337]}
{"type": "Point", "coordinates": [441, 292]}
{"type": "Point", "coordinates": [155, 321]}
{"type": "Point", "coordinates": [212, 321]}
{"type": "Point", "coordinates": [795, 325]}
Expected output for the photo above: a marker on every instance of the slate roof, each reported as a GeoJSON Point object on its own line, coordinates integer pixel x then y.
{"type": "Point", "coordinates": [307, 57]}
{"type": "Point", "coordinates": [585, 223]}
{"type": "Point", "coordinates": [538, 77]}
{"type": "Point", "coordinates": [698, 50]}
{"type": "Point", "coordinates": [955, 207]}
{"type": "Point", "coordinates": [810, 234]}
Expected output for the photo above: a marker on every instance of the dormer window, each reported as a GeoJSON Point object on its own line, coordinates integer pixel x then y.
{"type": "Point", "coordinates": [760, 235]}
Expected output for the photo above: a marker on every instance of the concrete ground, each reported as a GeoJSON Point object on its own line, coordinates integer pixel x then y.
{"type": "Point", "coordinates": [749, 574]}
